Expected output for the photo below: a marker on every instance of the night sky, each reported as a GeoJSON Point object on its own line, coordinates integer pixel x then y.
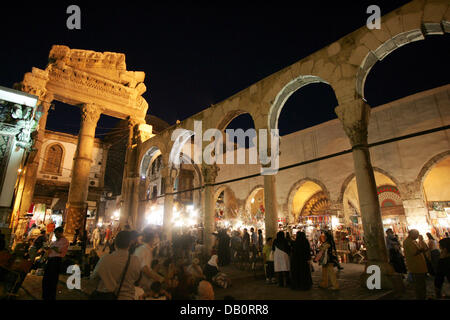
{"type": "Point", "coordinates": [198, 54]}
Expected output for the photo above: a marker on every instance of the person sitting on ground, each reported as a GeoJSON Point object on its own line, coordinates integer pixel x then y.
{"type": "Point", "coordinates": [212, 274]}
{"type": "Point", "coordinates": [443, 268]}
{"type": "Point", "coordinates": [157, 292]}
{"type": "Point", "coordinates": [37, 245]}
{"type": "Point", "coordinates": [157, 267]}
{"type": "Point", "coordinates": [93, 260]}
{"type": "Point", "coordinates": [195, 270]}
{"type": "Point", "coordinates": [205, 291]}
{"type": "Point", "coordinates": [185, 290]}
{"type": "Point", "coordinates": [34, 232]}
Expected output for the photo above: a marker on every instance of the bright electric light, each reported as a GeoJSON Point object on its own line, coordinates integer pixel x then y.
{"type": "Point", "coordinates": [178, 223]}
{"type": "Point", "coordinates": [155, 216]}
{"type": "Point", "coordinates": [17, 97]}
{"type": "Point", "coordinates": [334, 221]}
{"type": "Point", "coordinates": [116, 214]}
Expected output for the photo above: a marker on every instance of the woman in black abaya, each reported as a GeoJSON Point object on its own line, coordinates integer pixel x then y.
{"type": "Point", "coordinates": [300, 263]}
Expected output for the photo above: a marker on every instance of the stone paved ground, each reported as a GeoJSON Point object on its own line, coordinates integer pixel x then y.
{"type": "Point", "coordinates": [248, 286]}
{"type": "Point", "coordinates": [245, 286]}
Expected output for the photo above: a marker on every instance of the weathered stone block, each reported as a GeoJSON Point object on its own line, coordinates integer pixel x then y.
{"type": "Point", "coordinates": [412, 21]}
{"type": "Point", "coordinates": [333, 49]}
{"type": "Point", "coordinates": [370, 41]}
{"type": "Point", "coordinates": [358, 55]}
{"type": "Point", "coordinates": [434, 12]}
{"type": "Point", "coordinates": [306, 67]}
{"type": "Point", "coordinates": [394, 25]}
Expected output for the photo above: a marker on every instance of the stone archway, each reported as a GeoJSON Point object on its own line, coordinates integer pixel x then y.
{"type": "Point", "coordinates": [319, 187]}
{"type": "Point", "coordinates": [98, 83]}
{"type": "Point", "coordinates": [285, 93]}
{"type": "Point", "coordinates": [433, 180]}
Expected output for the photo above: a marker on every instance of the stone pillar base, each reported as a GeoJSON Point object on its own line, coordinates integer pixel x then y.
{"type": "Point", "coordinates": [390, 280]}
{"type": "Point", "coordinates": [74, 221]}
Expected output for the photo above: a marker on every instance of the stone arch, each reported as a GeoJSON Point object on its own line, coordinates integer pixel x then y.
{"type": "Point", "coordinates": [351, 176]}
{"type": "Point", "coordinates": [185, 159]}
{"type": "Point", "coordinates": [146, 160]}
{"type": "Point", "coordinates": [232, 211]}
{"type": "Point", "coordinates": [284, 94]}
{"type": "Point", "coordinates": [296, 186]}
{"type": "Point", "coordinates": [247, 203]}
{"type": "Point", "coordinates": [62, 152]}
{"type": "Point", "coordinates": [385, 181]}
{"type": "Point", "coordinates": [428, 166]}
{"type": "Point", "coordinates": [230, 116]}
{"type": "Point", "coordinates": [412, 22]}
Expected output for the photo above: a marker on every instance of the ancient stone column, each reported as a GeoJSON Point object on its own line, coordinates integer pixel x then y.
{"type": "Point", "coordinates": [131, 179]}
{"type": "Point", "coordinates": [415, 205]}
{"type": "Point", "coordinates": [209, 173]}
{"type": "Point", "coordinates": [270, 205]}
{"type": "Point", "coordinates": [79, 185]}
{"type": "Point", "coordinates": [169, 177]}
{"type": "Point", "coordinates": [32, 165]}
{"type": "Point", "coordinates": [355, 119]}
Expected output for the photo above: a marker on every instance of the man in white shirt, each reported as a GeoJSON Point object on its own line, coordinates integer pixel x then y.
{"type": "Point", "coordinates": [145, 255]}
{"type": "Point", "coordinates": [56, 252]}
{"type": "Point", "coordinates": [110, 268]}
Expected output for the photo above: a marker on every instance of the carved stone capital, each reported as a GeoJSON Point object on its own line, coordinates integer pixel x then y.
{"type": "Point", "coordinates": [90, 113]}
{"type": "Point", "coordinates": [210, 173]}
{"type": "Point", "coordinates": [35, 83]}
{"type": "Point", "coordinates": [354, 117]}
{"type": "Point", "coordinates": [145, 132]}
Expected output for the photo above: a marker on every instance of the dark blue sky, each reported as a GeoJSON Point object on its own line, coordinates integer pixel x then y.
{"type": "Point", "coordinates": [198, 54]}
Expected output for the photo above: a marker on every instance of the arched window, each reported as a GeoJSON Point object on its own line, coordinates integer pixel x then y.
{"type": "Point", "coordinates": [53, 159]}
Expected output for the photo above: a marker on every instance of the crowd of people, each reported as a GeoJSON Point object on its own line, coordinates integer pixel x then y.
{"type": "Point", "coordinates": [418, 259]}
{"type": "Point", "coordinates": [146, 266]}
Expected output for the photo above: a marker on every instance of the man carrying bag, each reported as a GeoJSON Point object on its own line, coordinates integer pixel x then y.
{"type": "Point", "coordinates": [117, 272]}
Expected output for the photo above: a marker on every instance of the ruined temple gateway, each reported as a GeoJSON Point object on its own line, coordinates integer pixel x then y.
{"type": "Point", "coordinates": [100, 84]}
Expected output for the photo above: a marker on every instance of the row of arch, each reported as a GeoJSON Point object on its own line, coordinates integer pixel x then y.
{"type": "Point", "coordinates": [343, 66]}
{"type": "Point", "coordinates": [310, 196]}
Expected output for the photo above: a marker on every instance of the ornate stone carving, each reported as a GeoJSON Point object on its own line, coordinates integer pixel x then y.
{"type": "Point", "coordinates": [145, 132]}
{"type": "Point", "coordinates": [210, 173]}
{"type": "Point", "coordinates": [35, 83]}
{"type": "Point", "coordinates": [90, 113]}
{"type": "Point", "coordinates": [87, 58]}
{"type": "Point", "coordinates": [355, 119]}
{"type": "Point", "coordinates": [19, 121]}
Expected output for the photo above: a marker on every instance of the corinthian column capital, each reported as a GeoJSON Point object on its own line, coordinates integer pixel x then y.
{"type": "Point", "coordinates": [90, 113]}
{"type": "Point", "coordinates": [354, 117]}
{"type": "Point", "coordinates": [210, 173]}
